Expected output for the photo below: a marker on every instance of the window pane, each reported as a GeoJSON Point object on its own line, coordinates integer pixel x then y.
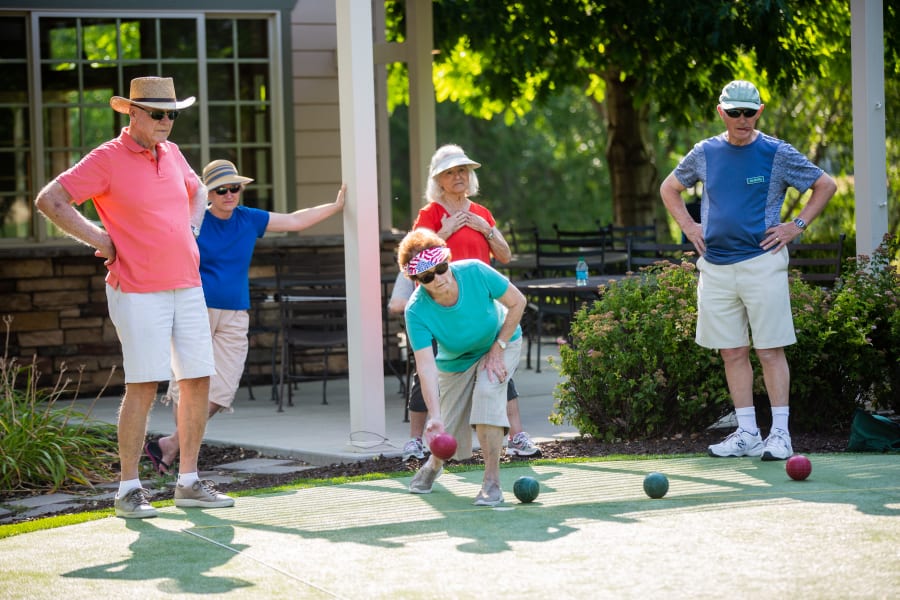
{"type": "Point", "coordinates": [222, 125]}
{"type": "Point", "coordinates": [58, 39]}
{"type": "Point", "coordinates": [15, 82]}
{"type": "Point", "coordinates": [14, 129]}
{"type": "Point", "coordinates": [130, 38]}
{"type": "Point", "coordinates": [254, 125]}
{"type": "Point", "coordinates": [220, 82]}
{"type": "Point", "coordinates": [219, 38]}
{"type": "Point", "coordinates": [253, 80]}
{"type": "Point", "coordinates": [179, 38]}
{"type": "Point", "coordinates": [100, 40]}
{"type": "Point", "coordinates": [253, 39]}
{"type": "Point", "coordinates": [12, 32]}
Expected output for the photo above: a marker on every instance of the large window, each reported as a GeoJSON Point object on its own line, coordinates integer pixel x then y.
{"type": "Point", "coordinates": [79, 61]}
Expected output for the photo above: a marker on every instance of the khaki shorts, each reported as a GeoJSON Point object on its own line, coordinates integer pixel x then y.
{"type": "Point", "coordinates": [749, 296]}
{"type": "Point", "coordinates": [230, 345]}
{"type": "Point", "coordinates": [161, 333]}
{"type": "Point", "coordinates": [469, 398]}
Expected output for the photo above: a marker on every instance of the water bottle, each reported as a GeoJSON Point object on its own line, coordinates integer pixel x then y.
{"type": "Point", "coordinates": [581, 272]}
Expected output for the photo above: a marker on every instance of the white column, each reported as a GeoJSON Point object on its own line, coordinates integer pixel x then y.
{"type": "Point", "coordinates": [361, 230]}
{"type": "Point", "coordinates": [869, 154]}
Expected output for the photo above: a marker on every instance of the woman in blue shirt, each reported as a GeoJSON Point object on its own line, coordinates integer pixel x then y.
{"type": "Point", "coordinates": [473, 313]}
{"type": "Point", "coordinates": [226, 241]}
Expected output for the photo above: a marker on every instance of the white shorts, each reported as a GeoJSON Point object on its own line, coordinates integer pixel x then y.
{"type": "Point", "coordinates": [749, 296]}
{"type": "Point", "coordinates": [230, 345]}
{"type": "Point", "coordinates": [470, 398]}
{"type": "Point", "coordinates": [162, 332]}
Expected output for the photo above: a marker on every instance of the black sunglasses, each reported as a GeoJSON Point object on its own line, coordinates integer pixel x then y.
{"type": "Point", "coordinates": [734, 113]}
{"type": "Point", "coordinates": [428, 276]}
{"type": "Point", "coordinates": [157, 115]}
{"type": "Point", "coordinates": [234, 189]}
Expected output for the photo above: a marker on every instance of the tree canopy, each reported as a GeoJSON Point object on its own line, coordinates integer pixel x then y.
{"type": "Point", "coordinates": [653, 61]}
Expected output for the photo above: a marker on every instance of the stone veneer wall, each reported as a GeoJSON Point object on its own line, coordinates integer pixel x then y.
{"type": "Point", "coordinates": [55, 295]}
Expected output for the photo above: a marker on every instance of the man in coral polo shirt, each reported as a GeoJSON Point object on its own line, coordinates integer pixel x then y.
{"type": "Point", "coordinates": [149, 200]}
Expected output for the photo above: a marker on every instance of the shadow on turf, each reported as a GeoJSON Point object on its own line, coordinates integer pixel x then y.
{"type": "Point", "coordinates": [616, 497]}
{"type": "Point", "coordinates": [183, 574]}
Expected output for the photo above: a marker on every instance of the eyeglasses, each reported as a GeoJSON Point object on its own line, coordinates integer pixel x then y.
{"type": "Point", "coordinates": [428, 276]}
{"type": "Point", "coordinates": [157, 115]}
{"type": "Point", "coordinates": [234, 189]}
{"type": "Point", "coordinates": [734, 113]}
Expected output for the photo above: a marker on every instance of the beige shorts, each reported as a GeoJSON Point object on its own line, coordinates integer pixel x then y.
{"type": "Point", "coordinates": [230, 345]}
{"type": "Point", "coordinates": [749, 297]}
{"type": "Point", "coordinates": [470, 398]}
{"type": "Point", "coordinates": [161, 333]}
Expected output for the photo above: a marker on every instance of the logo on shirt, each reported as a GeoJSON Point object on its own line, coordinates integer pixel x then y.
{"type": "Point", "coordinates": [755, 180]}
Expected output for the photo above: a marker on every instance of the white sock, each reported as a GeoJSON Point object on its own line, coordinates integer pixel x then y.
{"type": "Point", "coordinates": [746, 418]}
{"type": "Point", "coordinates": [188, 479]}
{"type": "Point", "coordinates": [127, 486]}
{"type": "Point", "coordinates": [780, 417]}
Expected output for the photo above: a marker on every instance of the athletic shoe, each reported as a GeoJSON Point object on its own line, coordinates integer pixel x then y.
{"type": "Point", "coordinates": [203, 494]}
{"type": "Point", "coordinates": [521, 445]}
{"type": "Point", "coordinates": [424, 480]}
{"type": "Point", "coordinates": [135, 505]}
{"type": "Point", "coordinates": [483, 499]}
{"type": "Point", "coordinates": [739, 443]}
{"type": "Point", "coordinates": [414, 448]}
{"type": "Point", "coordinates": [777, 445]}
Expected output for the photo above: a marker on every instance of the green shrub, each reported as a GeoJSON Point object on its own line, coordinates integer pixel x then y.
{"type": "Point", "coordinates": [632, 369]}
{"type": "Point", "coordinates": [44, 446]}
{"type": "Point", "coordinates": [863, 330]}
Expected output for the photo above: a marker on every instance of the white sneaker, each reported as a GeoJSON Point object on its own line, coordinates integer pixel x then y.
{"type": "Point", "coordinates": [777, 445]}
{"type": "Point", "coordinates": [521, 445]}
{"type": "Point", "coordinates": [414, 448]}
{"type": "Point", "coordinates": [739, 443]}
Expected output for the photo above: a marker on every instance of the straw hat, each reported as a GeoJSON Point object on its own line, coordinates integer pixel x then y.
{"type": "Point", "coordinates": [222, 172]}
{"type": "Point", "coordinates": [153, 93]}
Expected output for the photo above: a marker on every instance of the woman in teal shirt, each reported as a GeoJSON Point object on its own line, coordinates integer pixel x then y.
{"type": "Point", "coordinates": [473, 313]}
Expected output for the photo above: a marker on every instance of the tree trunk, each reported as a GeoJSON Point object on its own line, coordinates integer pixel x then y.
{"type": "Point", "coordinates": [635, 187]}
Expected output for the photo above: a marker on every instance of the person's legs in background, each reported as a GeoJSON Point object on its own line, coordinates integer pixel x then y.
{"type": "Point", "coordinates": [519, 442]}
{"type": "Point", "coordinates": [418, 415]}
{"type": "Point", "coordinates": [230, 346]}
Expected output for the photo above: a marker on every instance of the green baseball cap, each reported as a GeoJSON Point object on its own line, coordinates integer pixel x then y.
{"type": "Point", "coordinates": [739, 94]}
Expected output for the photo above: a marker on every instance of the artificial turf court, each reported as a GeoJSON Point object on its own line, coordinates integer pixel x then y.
{"type": "Point", "coordinates": [737, 528]}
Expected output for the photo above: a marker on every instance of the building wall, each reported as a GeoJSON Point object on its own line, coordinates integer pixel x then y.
{"type": "Point", "coordinates": [317, 141]}
{"type": "Point", "coordinates": [53, 299]}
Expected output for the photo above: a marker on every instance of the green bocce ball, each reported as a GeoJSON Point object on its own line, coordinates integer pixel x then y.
{"type": "Point", "coordinates": [526, 489]}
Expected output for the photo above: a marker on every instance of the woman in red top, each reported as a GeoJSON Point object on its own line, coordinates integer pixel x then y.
{"type": "Point", "coordinates": [470, 232]}
{"type": "Point", "coordinates": [468, 227]}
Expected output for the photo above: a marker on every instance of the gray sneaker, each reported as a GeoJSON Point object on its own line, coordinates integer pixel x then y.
{"type": "Point", "coordinates": [777, 446]}
{"type": "Point", "coordinates": [492, 499]}
{"type": "Point", "coordinates": [135, 505]}
{"type": "Point", "coordinates": [424, 480]}
{"type": "Point", "coordinates": [203, 494]}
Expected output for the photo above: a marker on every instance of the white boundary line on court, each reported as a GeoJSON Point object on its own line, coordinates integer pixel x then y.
{"type": "Point", "coordinates": [265, 564]}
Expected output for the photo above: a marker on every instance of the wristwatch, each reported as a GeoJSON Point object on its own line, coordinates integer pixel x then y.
{"type": "Point", "coordinates": [800, 223]}
{"type": "Point", "coordinates": [490, 236]}
{"type": "Point", "coordinates": [501, 343]}
{"type": "Point", "coordinates": [195, 230]}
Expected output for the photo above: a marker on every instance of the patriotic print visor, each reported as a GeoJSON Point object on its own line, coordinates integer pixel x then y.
{"type": "Point", "coordinates": [427, 259]}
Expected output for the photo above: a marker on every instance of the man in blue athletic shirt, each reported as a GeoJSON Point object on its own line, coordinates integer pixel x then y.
{"type": "Point", "coordinates": [743, 260]}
